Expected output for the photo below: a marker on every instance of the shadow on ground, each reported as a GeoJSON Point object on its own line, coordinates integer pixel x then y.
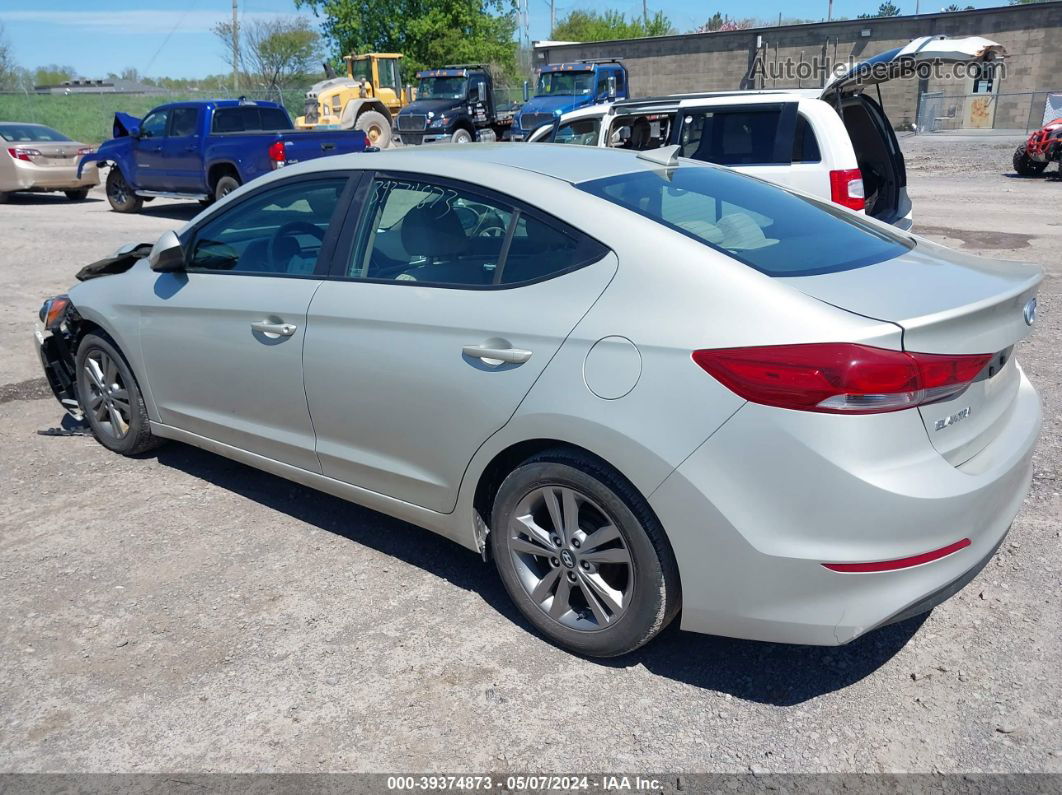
{"type": "Point", "coordinates": [28, 198]}
{"type": "Point", "coordinates": [185, 211]}
{"type": "Point", "coordinates": [768, 673]}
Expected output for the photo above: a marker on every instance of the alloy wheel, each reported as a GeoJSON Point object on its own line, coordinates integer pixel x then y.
{"type": "Point", "coordinates": [118, 190]}
{"type": "Point", "coordinates": [571, 559]}
{"type": "Point", "coordinates": [108, 398]}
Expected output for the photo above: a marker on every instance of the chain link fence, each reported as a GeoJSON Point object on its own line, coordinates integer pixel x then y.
{"type": "Point", "coordinates": [88, 117]}
{"type": "Point", "coordinates": [1018, 111]}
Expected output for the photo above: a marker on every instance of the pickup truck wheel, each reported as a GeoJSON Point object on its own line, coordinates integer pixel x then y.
{"type": "Point", "coordinates": [1025, 165]}
{"type": "Point", "coordinates": [77, 195]}
{"type": "Point", "coordinates": [120, 194]}
{"type": "Point", "coordinates": [376, 128]}
{"type": "Point", "coordinates": [225, 186]}
{"type": "Point", "coordinates": [461, 136]}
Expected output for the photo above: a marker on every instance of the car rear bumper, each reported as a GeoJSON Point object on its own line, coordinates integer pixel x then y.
{"type": "Point", "coordinates": [29, 176]}
{"type": "Point", "coordinates": [758, 509]}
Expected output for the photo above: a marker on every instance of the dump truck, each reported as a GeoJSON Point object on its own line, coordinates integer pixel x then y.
{"type": "Point", "coordinates": [367, 98]}
{"type": "Point", "coordinates": [457, 104]}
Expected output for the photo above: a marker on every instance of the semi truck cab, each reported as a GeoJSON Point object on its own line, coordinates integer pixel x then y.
{"type": "Point", "coordinates": [564, 87]}
{"type": "Point", "coordinates": [454, 104]}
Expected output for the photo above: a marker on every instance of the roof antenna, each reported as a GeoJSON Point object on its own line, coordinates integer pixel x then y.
{"type": "Point", "coordinates": [665, 156]}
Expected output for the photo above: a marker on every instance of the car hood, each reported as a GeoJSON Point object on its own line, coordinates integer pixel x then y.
{"type": "Point", "coordinates": [435, 106]}
{"type": "Point", "coordinates": [550, 104]}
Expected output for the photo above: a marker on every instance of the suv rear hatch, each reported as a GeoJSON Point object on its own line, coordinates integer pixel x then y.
{"type": "Point", "coordinates": [947, 302]}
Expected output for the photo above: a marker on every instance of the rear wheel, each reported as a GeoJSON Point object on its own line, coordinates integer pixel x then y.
{"type": "Point", "coordinates": [582, 555]}
{"type": "Point", "coordinates": [376, 128]}
{"type": "Point", "coordinates": [226, 185]}
{"type": "Point", "coordinates": [110, 397]}
{"type": "Point", "coordinates": [78, 195]}
{"type": "Point", "coordinates": [120, 194]}
{"type": "Point", "coordinates": [1025, 165]}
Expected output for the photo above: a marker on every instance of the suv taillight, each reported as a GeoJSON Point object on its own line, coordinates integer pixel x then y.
{"type": "Point", "coordinates": [276, 154]}
{"type": "Point", "coordinates": [846, 188]}
{"type": "Point", "coordinates": [24, 153]}
{"type": "Point", "coordinates": [840, 377]}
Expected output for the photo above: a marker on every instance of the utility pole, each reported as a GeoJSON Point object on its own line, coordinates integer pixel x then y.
{"type": "Point", "coordinates": [829, 11]}
{"type": "Point", "coordinates": [235, 49]}
{"type": "Point", "coordinates": [645, 14]}
{"type": "Point", "coordinates": [552, 16]}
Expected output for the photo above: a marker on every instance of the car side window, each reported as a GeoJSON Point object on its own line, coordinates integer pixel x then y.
{"type": "Point", "coordinates": [154, 125]}
{"type": "Point", "coordinates": [731, 137]}
{"type": "Point", "coordinates": [805, 145]}
{"type": "Point", "coordinates": [183, 122]}
{"type": "Point", "coordinates": [421, 232]}
{"type": "Point", "coordinates": [277, 232]}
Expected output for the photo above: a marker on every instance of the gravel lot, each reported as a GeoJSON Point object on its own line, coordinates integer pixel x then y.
{"type": "Point", "coordinates": [184, 613]}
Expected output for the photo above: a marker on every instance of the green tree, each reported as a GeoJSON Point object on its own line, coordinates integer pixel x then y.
{"type": "Point", "coordinates": [273, 52]}
{"type": "Point", "coordinates": [53, 74]}
{"type": "Point", "coordinates": [427, 32]}
{"type": "Point", "coordinates": [593, 26]}
{"type": "Point", "coordinates": [886, 9]}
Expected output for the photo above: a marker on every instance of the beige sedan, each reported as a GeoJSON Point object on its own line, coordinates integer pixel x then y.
{"type": "Point", "coordinates": [38, 158]}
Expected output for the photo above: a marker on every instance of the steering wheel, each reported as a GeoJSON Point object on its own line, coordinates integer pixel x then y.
{"type": "Point", "coordinates": [283, 245]}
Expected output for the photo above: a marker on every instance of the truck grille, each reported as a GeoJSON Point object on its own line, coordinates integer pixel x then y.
{"type": "Point", "coordinates": [532, 121]}
{"type": "Point", "coordinates": [412, 121]}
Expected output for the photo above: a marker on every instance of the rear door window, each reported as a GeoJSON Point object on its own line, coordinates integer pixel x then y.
{"type": "Point", "coordinates": [737, 136]}
{"type": "Point", "coordinates": [249, 118]}
{"type": "Point", "coordinates": [183, 122]}
{"type": "Point", "coordinates": [763, 226]}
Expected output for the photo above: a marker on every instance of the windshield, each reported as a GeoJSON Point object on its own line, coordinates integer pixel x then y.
{"type": "Point", "coordinates": [564, 84]}
{"type": "Point", "coordinates": [30, 132]}
{"type": "Point", "coordinates": [763, 226]}
{"type": "Point", "coordinates": [361, 70]}
{"type": "Point", "coordinates": [441, 88]}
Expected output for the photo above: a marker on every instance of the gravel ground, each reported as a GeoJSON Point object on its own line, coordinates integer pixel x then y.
{"type": "Point", "coordinates": [184, 613]}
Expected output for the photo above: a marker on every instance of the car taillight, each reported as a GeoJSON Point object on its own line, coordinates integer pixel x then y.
{"type": "Point", "coordinates": [24, 153]}
{"type": "Point", "coordinates": [846, 188]}
{"type": "Point", "coordinates": [85, 150]}
{"type": "Point", "coordinates": [276, 154]}
{"type": "Point", "coordinates": [840, 378]}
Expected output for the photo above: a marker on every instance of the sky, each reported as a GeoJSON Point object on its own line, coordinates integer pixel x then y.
{"type": "Point", "coordinates": [172, 38]}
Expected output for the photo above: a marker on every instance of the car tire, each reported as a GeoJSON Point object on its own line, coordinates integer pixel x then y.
{"type": "Point", "coordinates": [631, 559]}
{"type": "Point", "coordinates": [1025, 166]}
{"type": "Point", "coordinates": [77, 195]}
{"type": "Point", "coordinates": [110, 397]}
{"type": "Point", "coordinates": [461, 136]}
{"type": "Point", "coordinates": [5, 196]}
{"type": "Point", "coordinates": [120, 194]}
{"type": "Point", "coordinates": [226, 185]}
{"type": "Point", "coordinates": [376, 127]}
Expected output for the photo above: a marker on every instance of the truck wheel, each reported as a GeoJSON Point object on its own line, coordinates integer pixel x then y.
{"type": "Point", "coordinates": [78, 195]}
{"type": "Point", "coordinates": [120, 194]}
{"type": "Point", "coordinates": [376, 128]}
{"type": "Point", "coordinates": [226, 185]}
{"type": "Point", "coordinates": [461, 136]}
{"type": "Point", "coordinates": [1025, 165]}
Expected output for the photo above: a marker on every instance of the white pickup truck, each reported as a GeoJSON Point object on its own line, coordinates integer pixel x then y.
{"type": "Point", "coordinates": [835, 142]}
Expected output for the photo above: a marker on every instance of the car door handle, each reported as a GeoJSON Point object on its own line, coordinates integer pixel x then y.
{"type": "Point", "coordinates": [280, 329]}
{"type": "Point", "coordinates": [508, 355]}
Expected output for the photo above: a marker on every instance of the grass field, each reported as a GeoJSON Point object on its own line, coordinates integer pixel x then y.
{"type": "Point", "coordinates": [88, 117]}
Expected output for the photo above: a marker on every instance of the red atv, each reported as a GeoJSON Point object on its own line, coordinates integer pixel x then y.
{"type": "Point", "coordinates": [1043, 147]}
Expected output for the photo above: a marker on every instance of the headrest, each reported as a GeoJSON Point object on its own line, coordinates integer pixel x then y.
{"type": "Point", "coordinates": [433, 230]}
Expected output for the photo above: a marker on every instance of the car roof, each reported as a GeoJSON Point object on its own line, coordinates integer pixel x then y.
{"type": "Point", "coordinates": [567, 163]}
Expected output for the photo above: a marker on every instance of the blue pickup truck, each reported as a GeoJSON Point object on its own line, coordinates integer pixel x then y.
{"type": "Point", "coordinates": [204, 150]}
{"type": "Point", "coordinates": [563, 87]}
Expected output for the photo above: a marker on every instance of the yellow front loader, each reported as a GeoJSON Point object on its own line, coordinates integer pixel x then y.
{"type": "Point", "coordinates": [367, 99]}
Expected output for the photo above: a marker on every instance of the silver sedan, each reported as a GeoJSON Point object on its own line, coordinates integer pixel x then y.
{"type": "Point", "coordinates": [641, 385]}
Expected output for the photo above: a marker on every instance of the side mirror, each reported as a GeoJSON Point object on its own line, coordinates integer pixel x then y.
{"type": "Point", "coordinates": [481, 91]}
{"type": "Point", "coordinates": [611, 83]}
{"type": "Point", "coordinates": [167, 255]}
{"type": "Point", "coordinates": [134, 131]}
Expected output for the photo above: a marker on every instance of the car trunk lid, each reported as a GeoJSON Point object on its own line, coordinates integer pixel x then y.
{"type": "Point", "coordinates": [56, 153]}
{"type": "Point", "coordinates": [947, 302]}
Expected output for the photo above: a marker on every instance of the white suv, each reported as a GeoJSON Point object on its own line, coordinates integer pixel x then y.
{"type": "Point", "coordinates": [835, 142]}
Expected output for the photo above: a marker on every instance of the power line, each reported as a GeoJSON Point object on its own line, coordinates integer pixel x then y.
{"type": "Point", "coordinates": [165, 41]}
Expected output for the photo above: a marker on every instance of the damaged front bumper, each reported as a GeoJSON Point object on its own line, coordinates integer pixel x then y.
{"type": "Point", "coordinates": [56, 342]}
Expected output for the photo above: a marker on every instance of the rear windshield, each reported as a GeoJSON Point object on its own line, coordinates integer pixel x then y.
{"type": "Point", "coordinates": [765, 227]}
{"type": "Point", "coordinates": [250, 118]}
{"type": "Point", "coordinates": [19, 133]}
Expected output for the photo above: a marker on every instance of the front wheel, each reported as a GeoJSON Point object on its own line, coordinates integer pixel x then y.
{"type": "Point", "coordinates": [1025, 165]}
{"type": "Point", "coordinates": [461, 136]}
{"type": "Point", "coordinates": [78, 195]}
{"type": "Point", "coordinates": [120, 194]}
{"type": "Point", "coordinates": [110, 397]}
{"type": "Point", "coordinates": [376, 127]}
{"type": "Point", "coordinates": [582, 555]}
